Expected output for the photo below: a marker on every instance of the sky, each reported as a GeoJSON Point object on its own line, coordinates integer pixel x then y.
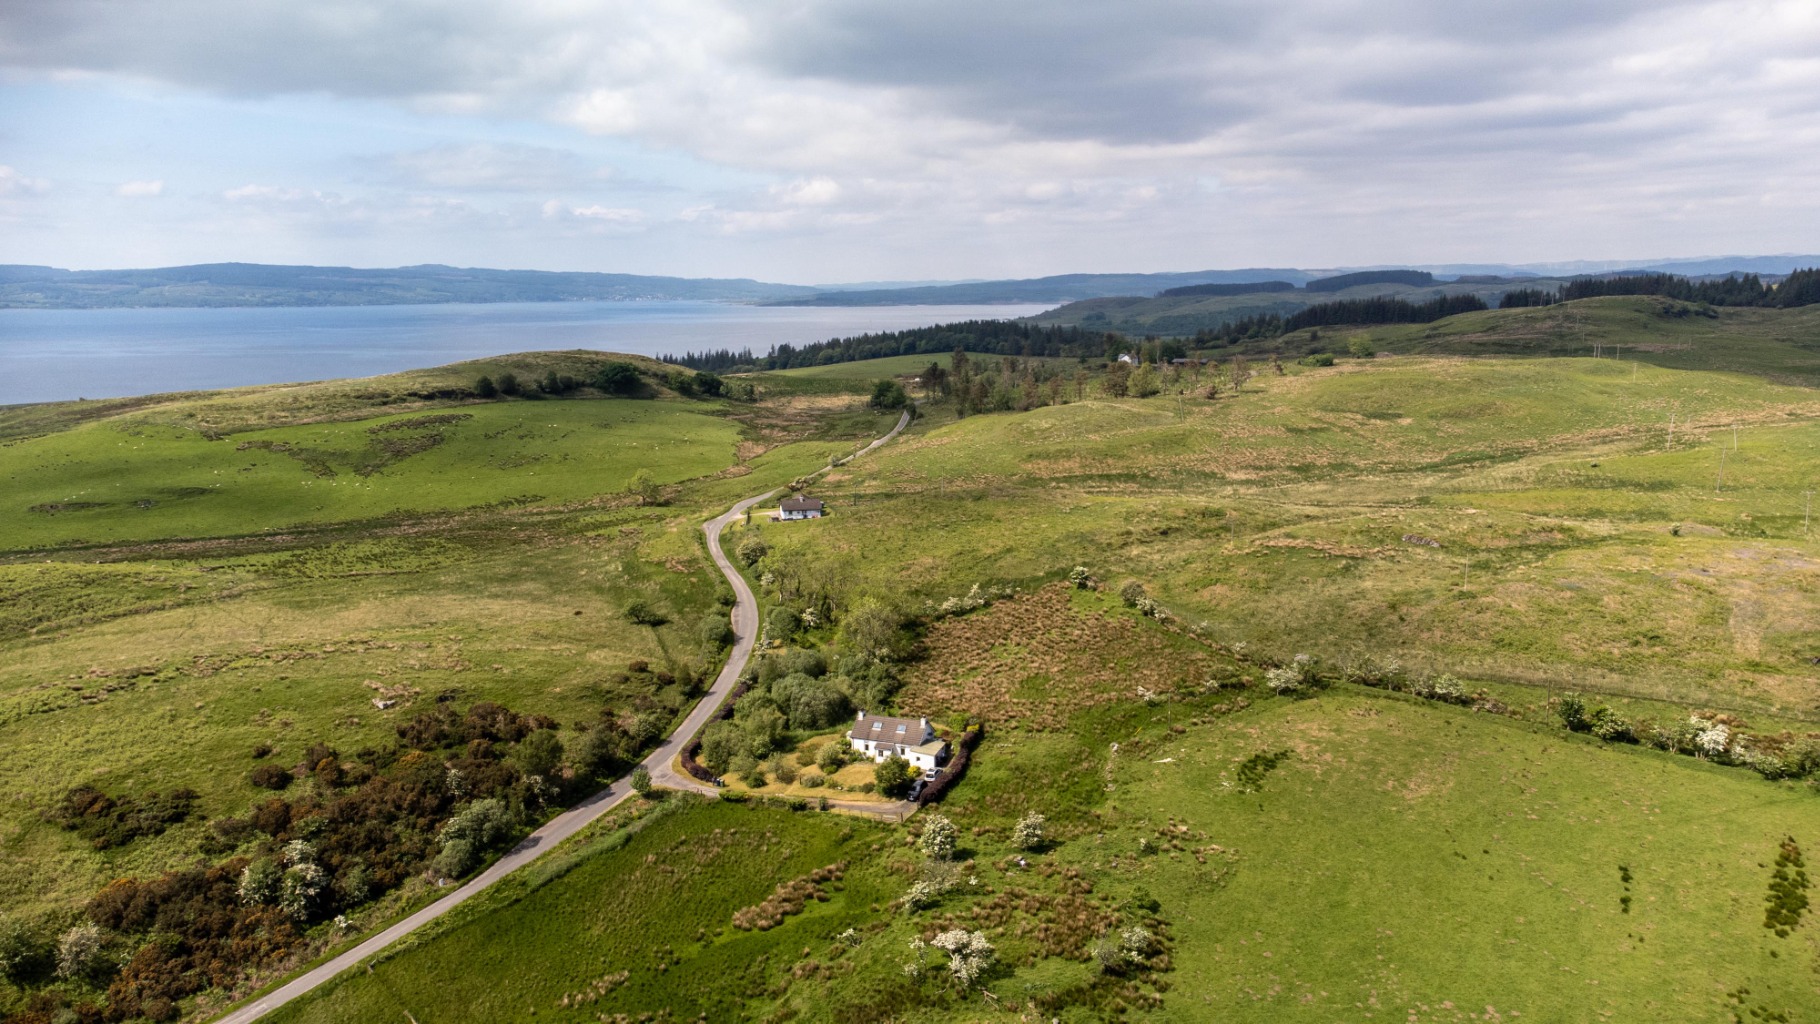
{"type": "Point", "coordinates": [819, 141]}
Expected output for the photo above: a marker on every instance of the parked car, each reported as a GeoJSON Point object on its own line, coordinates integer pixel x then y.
{"type": "Point", "coordinates": [916, 788]}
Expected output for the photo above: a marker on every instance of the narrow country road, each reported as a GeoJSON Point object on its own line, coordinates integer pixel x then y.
{"type": "Point", "coordinates": [571, 821]}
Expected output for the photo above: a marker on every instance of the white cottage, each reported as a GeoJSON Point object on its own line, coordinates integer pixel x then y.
{"type": "Point", "coordinates": [913, 739]}
{"type": "Point", "coordinates": [799, 506]}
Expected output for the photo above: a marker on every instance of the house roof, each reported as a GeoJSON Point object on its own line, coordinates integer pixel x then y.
{"type": "Point", "coordinates": [800, 503]}
{"type": "Point", "coordinates": [908, 732]}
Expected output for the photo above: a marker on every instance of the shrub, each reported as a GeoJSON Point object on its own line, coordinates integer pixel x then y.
{"type": "Point", "coordinates": [485, 388]}
{"type": "Point", "coordinates": [641, 781]}
{"type": "Point", "coordinates": [1293, 678]}
{"type": "Point", "coordinates": [1081, 578]}
{"type": "Point", "coordinates": [508, 384]}
{"type": "Point", "coordinates": [79, 951]}
{"type": "Point", "coordinates": [21, 953]}
{"type": "Point", "coordinates": [1131, 592]}
{"type": "Point", "coordinates": [1317, 359]}
{"type": "Point", "coordinates": [1608, 725]}
{"type": "Point", "coordinates": [938, 838]}
{"type": "Point", "coordinates": [751, 548]}
{"type": "Point", "coordinates": [466, 838]}
{"type": "Point", "coordinates": [833, 756]}
{"type": "Point", "coordinates": [300, 893]}
{"type": "Point", "coordinates": [784, 769]}
{"type": "Point", "coordinates": [539, 754]}
{"type": "Point", "coordinates": [1572, 709]}
{"type": "Point", "coordinates": [259, 882]}
{"type": "Point", "coordinates": [970, 956]}
{"type": "Point", "coordinates": [618, 378]}
{"type": "Point", "coordinates": [107, 822]}
{"type": "Point", "coordinates": [892, 776]}
{"type": "Point", "coordinates": [1360, 348]}
{"type": "Point", "coordinates": [269, 776]}
{"type": "Point", "coordinates": [716, 631]}
{"type": "Point", "coordinates": [1028, 834]}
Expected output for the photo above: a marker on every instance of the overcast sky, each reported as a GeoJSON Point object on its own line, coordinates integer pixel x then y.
{"type": "Point", "coordinates": [839, 140]}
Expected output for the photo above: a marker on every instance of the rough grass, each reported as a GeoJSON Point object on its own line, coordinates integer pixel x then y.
{"type": "Point", "coordinates": [120, 480]}
{"type": "Point", "coordinates": [1037, 659]}
{"type": "Point", "coordinates": [1521, 520]}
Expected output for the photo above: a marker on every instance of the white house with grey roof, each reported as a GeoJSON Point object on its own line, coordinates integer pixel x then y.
{"type": "Point", "coordinates": [913, 739]}
{"type": "Point", "coordinates": [800, 506]}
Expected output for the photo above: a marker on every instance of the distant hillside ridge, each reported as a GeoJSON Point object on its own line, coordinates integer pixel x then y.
{"type": "Point", "coordinates": [1058, 288]}
{"type": "Point", "coordinates": [1413, 278]}
{"type": "Point", "coordinates": [257, 284]}
{"type": "Point", "coordinates": [1261, 288]}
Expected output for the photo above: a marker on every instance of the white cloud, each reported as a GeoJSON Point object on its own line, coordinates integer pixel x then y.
{"type": "Point", "coordinates": [13, 183]}
{"type": "Point", "coordinates": [140, 189]}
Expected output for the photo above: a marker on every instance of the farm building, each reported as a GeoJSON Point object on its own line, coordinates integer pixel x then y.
{"type": "Point", "coordinates": [913, 739]}
{"type": "Point", "coordinates": [800, 506]}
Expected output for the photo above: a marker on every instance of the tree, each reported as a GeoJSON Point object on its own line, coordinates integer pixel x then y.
{"type": "Point", "coordinates": [938, 839]}
{"type": "Point", "coordinates": [641, 781]}
{"type": "Point", "coordinates": [508, 384]}
{"type": "Point", "coordinates": [618, 379]}
{"type": "Point", "coordinates": [1360, 347]}
{"type": "Point", "coordinates": [1117, 382]}
{"type": "Point", "coordinates": [892, 776]}
{"type": "Point", "coordinates": [781, 624]}
{"type": "Point", "coordinates": [1239, 372]}
{"type": "Point", "coordinates": [1144, 382]}
{"type": "Point", "coordinates": [751, 548]}
{"type": "Point", "coordinates": [640, 613]}
{"type": "Point", "coordinates": [708, 384]}
{"type": "Point", "coordinates": [485, 388]}
{"type": "Point", "coordinates": [538, 754]}
{"type": "Point", "coordinates": [889, 394]}
{"type": "Point", "coordinates": [875, 629]}
{"type": "Point", "coordinates": [764, 729]}
{"type": "Point", "coordinates": [1028, 835]}
{"type": "Point", "coordinates": [721, 742]}
{"type": "Point", "coordinates": [643, 487]}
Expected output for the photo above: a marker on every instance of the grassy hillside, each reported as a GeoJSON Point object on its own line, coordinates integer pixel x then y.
{"type": "Point", "coordinates": [1351, 856]}
{"type": "Point", "coordinates": [196, 586]}
{"type": "Point", "coordinates": [1519, 520]}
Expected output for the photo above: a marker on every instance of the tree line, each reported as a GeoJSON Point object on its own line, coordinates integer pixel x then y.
{"type": "Point", "coordinates": [1801, 288]}
{"type": "Point", "coordinates": [985, 337]}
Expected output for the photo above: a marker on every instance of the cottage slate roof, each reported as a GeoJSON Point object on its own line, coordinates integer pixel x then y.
{"type": "Point", "coordinates": [799, 503]}
{"type": "Point", "coordinates": [908, 732]}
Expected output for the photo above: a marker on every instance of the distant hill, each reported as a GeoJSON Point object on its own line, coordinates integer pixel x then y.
{"type": "Point", "coordinates": [254, 284]}
{"type": "Point", "coordinates": [1061, 288]}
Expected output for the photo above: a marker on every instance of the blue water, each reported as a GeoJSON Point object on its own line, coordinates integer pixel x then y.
{"type": "Point", "coordinates": [53, 355]}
